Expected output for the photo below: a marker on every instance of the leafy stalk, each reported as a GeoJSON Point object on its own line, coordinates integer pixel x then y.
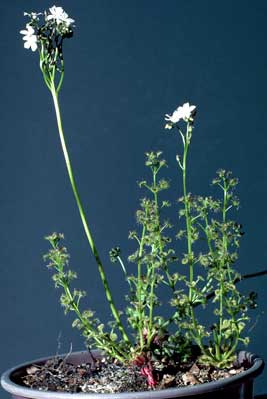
{"type": "Point", "coordinates": [70, 300]}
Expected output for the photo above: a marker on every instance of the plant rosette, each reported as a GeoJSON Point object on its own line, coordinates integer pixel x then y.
{"type": "Point", "coordinates": [154, 352]}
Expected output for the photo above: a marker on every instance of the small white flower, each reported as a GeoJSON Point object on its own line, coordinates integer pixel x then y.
{"type": "Point", "coordinates": [59, 15]}
{"type": "Point", "coordinates": [29, 37]}
{"type": "Point", "coordinates": [168, 126]}
{"type": "Point", "coordinates": [184, 112]}
{"type": "Point", "coordinates": [33, 15]}
{"type": "Point", "coordinates": [174, 118]}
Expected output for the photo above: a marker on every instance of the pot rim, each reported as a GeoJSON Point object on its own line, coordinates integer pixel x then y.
{"type": "Point", "coordinates": [238, 379]}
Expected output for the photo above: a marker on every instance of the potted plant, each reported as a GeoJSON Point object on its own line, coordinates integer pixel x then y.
{"type": "Point", "coordinates": [158, 346]}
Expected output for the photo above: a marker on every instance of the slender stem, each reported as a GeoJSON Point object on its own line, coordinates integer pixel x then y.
{"type": "Point", "coordinates": [109, 346]}
{"type": "Point", "coordinates": [139, 286]}
{"type": "Point", "coordinates": [170, 281]}
{"type": "Point", "coordinates": [188, 221]}
{"type": "Point", "coordinates": [122, 266]}
{"type": "Point", "coordinates": [151, 308]}
{"type": "Point", "coordinates": [225, 249]}
{"type": "Point", "coordinates": [186, 143]}
{"type": "Point", "coordinates": [61, 77]}
{"type": "Point", "coordinates": [222, 274]}
{"type": "Point", "coordinates": [83, 217]}
{"type": "Point", "coordinates": [152, 285]}
{"type": "Point", "coordinates": [208, 234]}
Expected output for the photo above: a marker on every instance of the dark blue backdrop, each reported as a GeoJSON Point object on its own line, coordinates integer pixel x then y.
{"type": "Point", "coordinates": [128, 64]}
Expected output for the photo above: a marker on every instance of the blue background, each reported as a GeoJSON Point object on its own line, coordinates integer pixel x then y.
{"type": "Point", "coordinates": [128, 64]}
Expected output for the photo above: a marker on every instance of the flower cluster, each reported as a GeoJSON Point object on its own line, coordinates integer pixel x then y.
{"type": "Point", "coordinates": [184, 112]}
{"type": "Point", "coordinates": [46, 32]}
{"type": "Point", "coordinates": [56, 17]}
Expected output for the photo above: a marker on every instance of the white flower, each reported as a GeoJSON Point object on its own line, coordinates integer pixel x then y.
{"type": "Point", "coordinates": [33, 15]}
{"type": "Point", "coordinates": [29, 37]}
{"type": "Point", "coordinates": [184, 112]}
{"type": "Point", "coordinates": [168, 126]}
{"type": "Point", "coordinates": [59, 15]}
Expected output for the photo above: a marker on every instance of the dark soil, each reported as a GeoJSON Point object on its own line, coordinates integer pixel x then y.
{"type": "Point", "coordinates": [106, 377]}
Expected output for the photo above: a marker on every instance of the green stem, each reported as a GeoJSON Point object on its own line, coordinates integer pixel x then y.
{"type": "Point", "coordinates": [208, 235]}
{"type": "Point", "coordinates": [139, 286]}
{"type": "Point", "coordinates": [170, 281]}
{"type": "Point", "coordinates": [61, 77]}
{"type": "Point", "coordinates": [82, 215]}
{"type": "Point", "coordinates": [152, 286]}
{"type": "Point", "coordinates": [108, 346]}
{"type": "Point", "coordinates": [186, 143]}
{"type": "Point", "coordinates": [151, 308]}
{"type": "Point", "coordinates": [188, 221]}
{"type": "Point", "coordinates": [222, 274]}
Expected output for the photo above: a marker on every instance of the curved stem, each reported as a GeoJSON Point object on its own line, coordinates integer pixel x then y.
{"type": "Point", "coordinates": [83, 217]}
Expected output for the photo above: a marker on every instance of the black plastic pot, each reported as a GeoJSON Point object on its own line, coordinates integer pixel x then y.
{"type": "Point", "coordinates": [237, 387]}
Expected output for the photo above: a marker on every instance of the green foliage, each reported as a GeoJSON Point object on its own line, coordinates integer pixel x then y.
{"type": "Point", "coordinates": [212, 241]}
{"type": "Point", "coordinates": [208, 220]}
{"type": "Point", "coordinates": [90, 326]}
{"type": "Point", "coordinates": [153, 258]}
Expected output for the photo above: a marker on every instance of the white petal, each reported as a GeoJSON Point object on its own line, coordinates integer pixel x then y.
{"type": "Point", "coordinates": [34, 46]}
{"type": "Point", "coordinates": [69, 21]}
{"type": "Point", "coordinates": [26, 37]}
{"type": "Point", "coordinates": [55, 11]}
{"type": "Point", "coordinates": [30, 29]}
{"type": "Point", "coordinates": [52, 9]}
{"type": "Point", "coordinates": [33, 39]}
{"type": "Point", "coordinates": [60, 10]}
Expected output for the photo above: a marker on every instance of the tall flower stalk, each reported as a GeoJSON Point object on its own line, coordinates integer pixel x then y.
{"type": "Point", "coordinates": [49, 38]}
{"type": "Point", "coordinates": [186, 113]}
